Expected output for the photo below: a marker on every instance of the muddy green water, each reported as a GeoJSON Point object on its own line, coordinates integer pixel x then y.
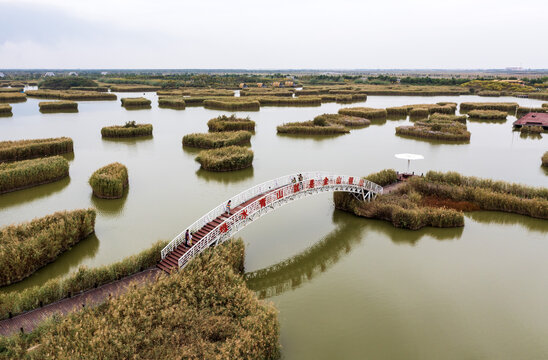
{"type": "Point", "coordinates": [355, 288]}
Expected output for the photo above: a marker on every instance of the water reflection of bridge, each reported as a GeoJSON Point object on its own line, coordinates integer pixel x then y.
{"type": "Point", "coordinates": [297, 270]}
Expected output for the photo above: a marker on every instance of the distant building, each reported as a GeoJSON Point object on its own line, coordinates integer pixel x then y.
{"type": "Point", "coordinates": [276, 84]}
{"type": "Point", "coordinates": [260, 85]}
{"type": "Point", "coordinates": [2, 75]}
{"type": "Point", "coordinates": [289, 83]}
{"type": "Point", "coordinates": [243, 86]}
{"type": "Point", "coordinates": [49, 73]}
{"type": "Point", "coordinates": [73, 73]}
{"type": "Point", "coordinates": [533, 119]}
{"type": "Point", "coordinates": [104, 73]}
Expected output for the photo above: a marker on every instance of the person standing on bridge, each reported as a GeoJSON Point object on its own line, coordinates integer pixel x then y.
{"type": "Point", "coordinates": [227, 209]}
{"type": "Point", "coordinates": [188, 238]}
{"type": "Point", "coordinates": [301, 181]}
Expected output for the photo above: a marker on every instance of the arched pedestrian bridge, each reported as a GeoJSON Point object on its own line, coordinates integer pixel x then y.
{"type": "Point", "coordinates": [217, 226]}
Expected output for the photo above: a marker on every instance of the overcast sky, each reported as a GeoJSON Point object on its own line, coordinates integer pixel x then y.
{"type": "Point", "coordinates": [257, 34]}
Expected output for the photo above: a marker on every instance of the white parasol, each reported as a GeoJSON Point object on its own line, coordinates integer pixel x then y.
{"type": "Point", "coordinates": [409, 157]}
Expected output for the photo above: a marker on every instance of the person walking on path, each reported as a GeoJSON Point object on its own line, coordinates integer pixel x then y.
{"type": "Point", "coordinates": [188, 237]}
{"type": "Point", "coordinates": [227, 209]}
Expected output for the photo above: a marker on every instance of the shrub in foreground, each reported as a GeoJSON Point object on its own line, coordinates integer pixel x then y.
{"type": "Point", "coordinates": [137, 102]}
{"type": "Point", "coordinates": [27, 173]}
{"type": "Point", "coordinates": [58, 106]}
{"type": "Point", "coordinates": [53, 290]}
{"type": "Point", "coordinates": [230, 123]}
{"type": "Point", "coordinates": [226, 158]}
{"type": "Point", "coordinates": [130, 129]}
{"type": "Point", "coordinates": [217, 139]}
{"type": "Point", "coordinates": [28, 149]}
{"type": "Point", "coordinates": [203, 312]}
{"type": "Point", "coordinates": [109, 181]}
{"type": "Point", "coordinates": [27, 247]}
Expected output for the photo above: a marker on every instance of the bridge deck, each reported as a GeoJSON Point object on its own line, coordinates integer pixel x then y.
{"type": "Point", "coordinates": [170, 262]}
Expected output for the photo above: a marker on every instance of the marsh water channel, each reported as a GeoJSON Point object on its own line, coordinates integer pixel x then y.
{"type": "Point", "coordinates": [346, 287]}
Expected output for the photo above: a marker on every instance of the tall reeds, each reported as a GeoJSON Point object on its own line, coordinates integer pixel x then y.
{"type": "Point", "coordinates": [233, 105]}
{"type": "Point", "coordinates": [285, 101]}
{"type": "Point", "coordinates": [227, 158]}
{"type": "Point", "coordinates": [133, 88]}
{"type": "Point", "coordinates": [109, 181]}
{"type": "Point", "coordinates": [137, 102]}
{"type": "Point", "coordinates": [5, 110]}
{"type": "Point", "coordinates": [27, 247]}
{"type": "Point", "coordinates": [501, 106]}
{"type": "Point", "coordinates": [364, 112]}
{"type": "Point", "coordinates": [488, 114]}
{"type": "Point", "coordinates": [544, 159]}
{"type": "Point", "coordinates": [129, 130]}
{"type": "Point", "coordinates": [344, 120]}
{"type": "Point", "coordinates": [436, 130]}
{"type": "Point", "coordinates": [172, 102]}
{"type": "Point", "coordinates": [446, 117]}
{"type": "Point", "coordinates": [217, 139]}
{"type": "Point", "coordinates": [384, 177]}
{"type": "Point", "coordinates": [12, 97]}
{"type": "Point", "coordinates": [310, 128]}
{"type": "Point", "coordinates": [526, 110]}
{"type": "Point", "coordinates": [71, 95]}
{"type": "Point", "coordinates": [58, 106]}
{"type": "Point", "coordinates": [28, 149]}
{"type": "Point", "coordinates": [27, 173]}
{"type": "Point", "coordinates": [230, 123]}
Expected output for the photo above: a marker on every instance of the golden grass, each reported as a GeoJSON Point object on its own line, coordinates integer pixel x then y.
{"type": "Point", "coordinates": [226, 158]}
{"type": "Point", "coordinates": [217, 139]}
{"type": "Point", "coordinates": [136, 102]}
{"type": "Point", "coordinates": [28, 149]}
{"type": "Point", "coordinates": [27, 173]}
{"type": "Point", "coordinates": [172, 102]}
{"type": "Point", "coordinates": [544, 159]}
{"type": "Point", "coordinates": [230, 123]}
{"type": "Point", "coordinates": [232, 104]}
{"type": "Point", "coordinates": [309, 128]}
{"type": "Point", "coordinates": [488, 114]}
{"type": "Point", "coordinates": [509, 107]}
{"type": "Point", "coordinates": [365, 112]}
{"type": "Point", "coordinates": [11, 97]}
{"type": "Point", "coordinates": [436, 130]}
{"type": "Point", "coordinates": [526, 110]}
{"type": "Point", "coordinates": [109, 181]}
{"type": "Point", "coordinates": [129, 130]}
{"type": "Point", "coordinates": [58, 106]}
{"type": "Point", "coordinates": [71, 95]}
{"type": "Point", "coordinates": [27, 247]}
{"type": "Point", "coordinates": [133, 88]}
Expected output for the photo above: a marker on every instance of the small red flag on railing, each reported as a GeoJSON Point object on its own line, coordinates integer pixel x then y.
{"type": "Point", "coordinates": [280, 194]}
{"type": "Point", "coordinates": [350, 180]}
{"type": "Point", "coordinates": [362, 182]}
{"type": "Point", "coordinates": [296, 188]}
{"type": "Point", "coordinates": [244, 214]}
{"type": "Point", "coordinates": [223, 228]}
{"type": "Point", "coordinates": [325, 181]}
{"type": "Point", "coordinates": [338, 181]}
{"type": "Point", "coordinates": [262, 202]}
{"type": "Point", "coordinates": [311, 184]}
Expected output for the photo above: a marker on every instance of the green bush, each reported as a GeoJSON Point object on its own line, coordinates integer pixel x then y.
{"type": "Point", "coordinates": [384, 177]}
{"type": "Point", "coordinates": [58, 106]}
{"type": "Point", "coordinates": [53, 290]}
{"type": "Point", "coordinates": [226, 158]}
{"type": "Point", "coordinates": [28, 149]}
{"type": "Point", "coordinates": [27, 173]}
{"type": "Point", "coordinates": [65, 83]}
{"type": "Point", "coordinates": [27, 247]}
{"type": "Point", "coordinates": [109, 181]}
{"type": "Point", "coordinates": [217, 139]}
{"type": "Point", "coordinates": [203, 312]}
{"type": "Point", "coordinates": [230, 123]}
{"type": "Point", "coordinates": [127, 131]}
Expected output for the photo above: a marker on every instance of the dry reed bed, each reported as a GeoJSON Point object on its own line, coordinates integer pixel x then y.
{"type": "Point", "coordinates": [204, 312]}
{"type": "Point", "coordinates": [5, 110]}
{"type": "Point", "coordinates": [28, 149]}
{"type": "Point", "coordinates": [489, 93]}
{"type": "Point", "coordinates": [109, 181]}
{"type": "Point", "coordinates": [310, 128]}
{"type": "Point", "coordinates": [10, 90]}
{"type": "Point", "coordinates": [17, 302]}
{"type": "Point", "coordinates": [58, 106]}
{"type": "Point", "coordinates": [411, 90]}
{"type": "Point", "coordinates": [71, 95]}
{"type": "Point", "coordinates": [267, 92]}
{"type": "Point", "coordinates": [340, 119]}
{"type": "Point", "coordinates": [284, 101]}
{"type": "Point", "coordinates": [445, 117]}
{"type": "Point", "coordinates": [526, 110]}
{"type": "Point", "coordinates": [133, 88]}
{"type": "Point", "coordinates": [27, 247]}
{"type": "Point", "coordinates": [531, 129]}
{"type": "Point", "coordinates": [129, 130]}
{"type": "Point", "coordinates": [230, 123]}
{"type": "Point", "coordinates": [488, 114]}
{"type": "Point", "coordinates": [544, 159]}
{"type": "Point", "coordinates": [228, 158]}
{"type": "Point", "coordinates": [136, 102]}
{"type": "Point", "coordinates": [545, 105]}
{"type": "Point", "coordinates": [28, 173]}
{"type": "Point", "coordinates": [90, 88]}
{"type": "Point", "coordinates": [436, 130]}
{"type": "Point", "coordinates": [539, 96]}
{"type": "Point", "coordinates": [196, 92]}
{"type": "Point", "coordinates": [233, 105]}
{"type": "Point", "coordinates": [365, 112]}
{"type": "Point", "coordinates": [12, 97]}
{"type": "Point", "coordinates": [509, 107]}
{"type": "Point", "coordinates": [217, 139]}
{"type": "Point", "coordinates": [170, 102]}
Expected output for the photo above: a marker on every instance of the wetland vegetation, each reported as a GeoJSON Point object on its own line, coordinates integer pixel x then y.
{"type": "Point", "coordinates": [109, 181]}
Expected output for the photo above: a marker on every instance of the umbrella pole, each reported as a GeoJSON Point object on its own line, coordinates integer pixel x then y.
{"type": "Point", "coordinates": [408, 162]}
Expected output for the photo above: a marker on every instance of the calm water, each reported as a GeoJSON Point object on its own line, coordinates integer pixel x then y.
{"type": "Point", "coordinates": [356, 288]}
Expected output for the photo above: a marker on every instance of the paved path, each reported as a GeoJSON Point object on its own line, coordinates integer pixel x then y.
{"type": "Point", "coordinates": [29, 320]}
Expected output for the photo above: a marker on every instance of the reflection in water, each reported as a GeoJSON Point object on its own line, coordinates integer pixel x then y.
{"type": "Point", "coordinates": [225, 177]}
{"type": "Point", "coordinates": [487, 121]}
{"type": "Point", "coordinates": [110, 207]}
{"type": "Point", "coordinates": [128, 140]}
{"type": "Point", "coordinates": [86, 248]}
{"type": "Point", "coordinates": [501, 218]}
{"type": "Point", "coordinates": [533, 136]}
{"type": "Point", "coordinates": [310, 137]}
{"type": "Point", "coordinates": [28, 195]}
{"type": "Point", "coordinates": [292, 273]}
{"type": "Point", "coordinates": [69, 156]}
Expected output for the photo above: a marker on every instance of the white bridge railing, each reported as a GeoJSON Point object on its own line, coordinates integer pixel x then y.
{"type": "Point", "coordinates": [276, 192]}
